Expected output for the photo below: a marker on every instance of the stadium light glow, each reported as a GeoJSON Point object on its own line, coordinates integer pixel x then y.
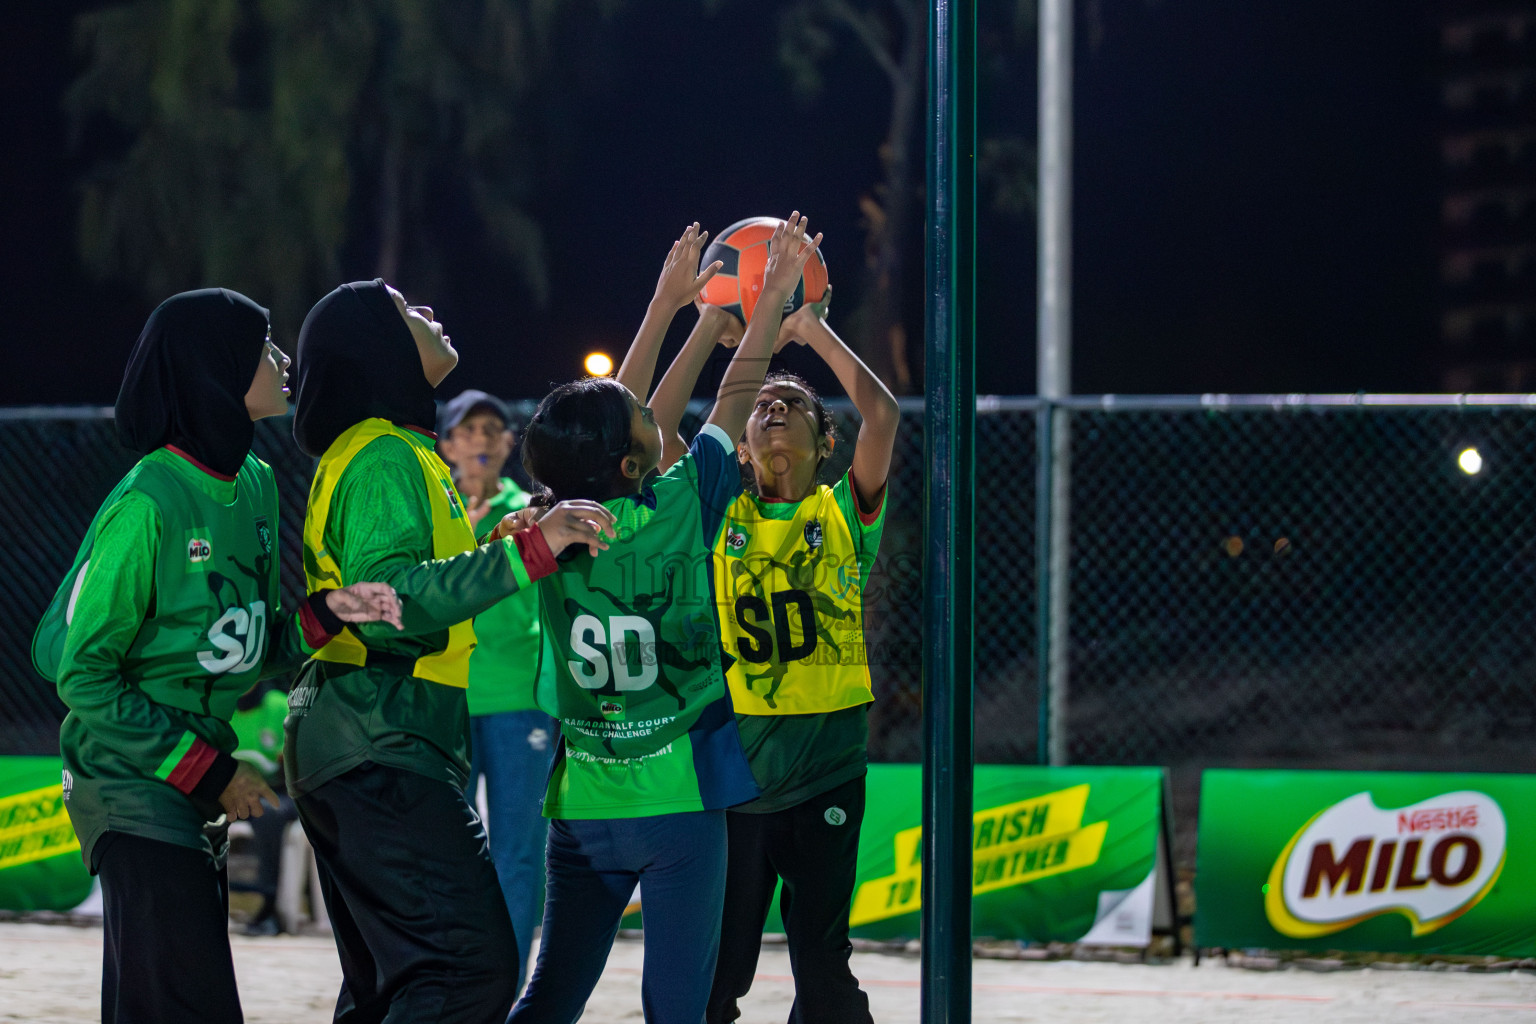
{"type": "Point", "coordinates": [598, 364]}
{"type": "Point", "coordinates": [1471, 461]}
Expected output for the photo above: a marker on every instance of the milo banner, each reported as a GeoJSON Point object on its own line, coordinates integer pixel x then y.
{"type": "Point", "coordinates": [40, 865]}
{"type": "Point", "coordinates": [1059, 854]}
{"type": "Point", "coordinates": [1384, 862]}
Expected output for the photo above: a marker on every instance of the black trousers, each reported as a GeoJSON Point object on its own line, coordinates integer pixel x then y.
{"type": "Point", "coordinates": [814, 848]}
{"type": "Point", "coordinates": [415, 907]}
{"type": "Point", "coordinates": [165, 947]}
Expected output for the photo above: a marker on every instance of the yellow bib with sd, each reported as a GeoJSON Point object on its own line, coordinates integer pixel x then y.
{"type": "Point", "coordinates": [790, 593]}
{"type": "Point", "coordinates": [451, 535]}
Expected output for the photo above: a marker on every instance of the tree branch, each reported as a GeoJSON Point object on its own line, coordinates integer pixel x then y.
{"type": "Point", "coordinates": [914, 14]}
{"type": "Point", "coordinates": [867, 32]}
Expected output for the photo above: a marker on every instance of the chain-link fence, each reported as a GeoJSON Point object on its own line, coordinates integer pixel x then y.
{"type": "Point", "coordinates": [1290, 583]}
{"type": "Point", "coordinates": [1307, 586]}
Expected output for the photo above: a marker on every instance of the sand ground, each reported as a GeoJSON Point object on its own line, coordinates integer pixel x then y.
{"type": "Point", "coordinates": [50, 974]}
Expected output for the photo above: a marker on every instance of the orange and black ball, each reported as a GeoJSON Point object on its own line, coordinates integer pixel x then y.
{"type": "Point", "coordinates": [743, 249]}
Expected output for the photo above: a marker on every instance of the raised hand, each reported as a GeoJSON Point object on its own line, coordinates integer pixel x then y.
{"type": "Point", "coordinates": [731, 329]}
{"type": "Point", "coordinates": [679, 284]}
{"type": "Point", "coordinates": [681, 280]}
{"type": "Point", "coordinates": [799, 326]}
{"type": "Point", "coordinates": [577, 522]}
{"type": "Point", "coordinates": [365, 602]}
{"type": "Point", "coordinates": [788, 251]}
{"type": "Point", "coordinates": [723, 327]}
{"type": "Point", "coordinates": [246, 790]}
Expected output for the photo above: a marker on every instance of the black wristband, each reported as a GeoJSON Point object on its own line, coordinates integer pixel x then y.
{"type": "Point", "coordinates": [326, 618]}
{"type": "Point", "coordinates": [215, 780]}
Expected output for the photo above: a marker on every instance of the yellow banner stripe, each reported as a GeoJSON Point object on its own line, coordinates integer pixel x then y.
{"type": "Point", "coordinates": [1012, 844]}
{"type": "Point", "coordinates": [35, 826]}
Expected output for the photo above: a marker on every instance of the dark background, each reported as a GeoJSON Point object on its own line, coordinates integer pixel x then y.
{"type": "Point", "coordinates": [1256, 203]}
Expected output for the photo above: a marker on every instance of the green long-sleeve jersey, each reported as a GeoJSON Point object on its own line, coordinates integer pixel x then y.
{"type": "Point", "coordinates": [173, 614]}
{"type": "Point", "coordinates": [379, 526]}
{"type": "Point", "coordinates": [504, 670]}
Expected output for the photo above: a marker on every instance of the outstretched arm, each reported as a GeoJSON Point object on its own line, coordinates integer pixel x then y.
{"type": "Point", "coordinates": [380, 531]}
{"type": "Point", "coordinates": [680, 281]}
{"type": "Point", "coordinates": [877, 407]}
{"type": "Point", "coordinates": [670, 400]}
{"type": "Point", "coordinates": [787, 253]}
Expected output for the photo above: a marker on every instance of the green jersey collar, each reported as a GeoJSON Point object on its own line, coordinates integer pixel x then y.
{"type": "Point", "coordinates": [217, 486]}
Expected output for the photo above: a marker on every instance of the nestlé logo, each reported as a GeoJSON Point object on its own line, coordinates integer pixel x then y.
{"type": "Point", "coordinates": [1431, 862]}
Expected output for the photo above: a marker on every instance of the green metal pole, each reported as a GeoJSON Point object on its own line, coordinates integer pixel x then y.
{"type": "Point", "coordinates": [949, 438]}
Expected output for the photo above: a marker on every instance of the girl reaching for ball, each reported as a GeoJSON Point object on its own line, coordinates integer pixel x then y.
{"type": "Point", "coordinates": [789, 570]}
{"type": "Point", "coordinates": [649, 757]}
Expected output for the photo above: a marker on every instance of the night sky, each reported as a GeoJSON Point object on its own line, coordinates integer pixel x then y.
{"type": "Point", "coordinates": [1256, 199]}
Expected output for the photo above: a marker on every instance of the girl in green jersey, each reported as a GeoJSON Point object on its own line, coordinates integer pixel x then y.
{"type": "Point", "coordinates": [377, 735]}
{"type": "Point", "coordinates": [170, 613]}
{"type": "Point", "coordinates": [649, 756]}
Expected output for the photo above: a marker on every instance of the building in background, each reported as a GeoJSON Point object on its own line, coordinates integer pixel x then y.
{"type": "Point", "coordinates": [1488, 211]}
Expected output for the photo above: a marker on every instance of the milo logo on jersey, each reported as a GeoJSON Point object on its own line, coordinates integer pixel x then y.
{"type": "Point", "coordinates": [239, 638]}
{"type": "Point", "coordinates": [1431, 862]}
{"type": "Point", "coordinates": [736, 540]}
{"type": "Point", "coordinates": [199, 550]}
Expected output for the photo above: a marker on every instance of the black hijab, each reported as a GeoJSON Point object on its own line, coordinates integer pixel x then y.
{"type": "Point", "coordinates": [357, 360]}
{"type": "Point", "coordinates": [188, 375]}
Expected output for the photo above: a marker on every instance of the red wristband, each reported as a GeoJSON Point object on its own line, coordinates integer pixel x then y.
{"type": "Point", "coordinates": [203, 768]}
{"type": "Point", "coordinates": [317, 620]}
{"type": "Point", "coordinates": [534, 550]}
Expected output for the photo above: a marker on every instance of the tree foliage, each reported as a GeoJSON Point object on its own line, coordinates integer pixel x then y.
{"type": "Point", "coordinates": [274, 145]}
{"type": "Point", "coordinates": [893, 36]}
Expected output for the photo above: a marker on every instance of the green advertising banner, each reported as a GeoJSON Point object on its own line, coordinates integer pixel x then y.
{"type": "Point", "coordinates": [1060, 854]}
{"type": "Point", "coordinates": [1372, 861]}
{"type": "Point", "coordinates": [40, 865]}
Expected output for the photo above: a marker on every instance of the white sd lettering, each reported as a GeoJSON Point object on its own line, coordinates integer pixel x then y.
{"type": "Point", "coordinates": [630, 658]}
{"type": "Point", "coordinates": [240, 635]}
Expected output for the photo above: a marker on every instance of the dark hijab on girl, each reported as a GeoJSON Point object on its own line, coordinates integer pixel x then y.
{"type": "Point", "coordinates": [357, 360]}
{"type": "Point", "coordinates": [188, 375]}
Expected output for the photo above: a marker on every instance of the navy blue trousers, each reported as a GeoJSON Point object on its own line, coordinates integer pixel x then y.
{"type": "Point", "coordinates": [593, 865]}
